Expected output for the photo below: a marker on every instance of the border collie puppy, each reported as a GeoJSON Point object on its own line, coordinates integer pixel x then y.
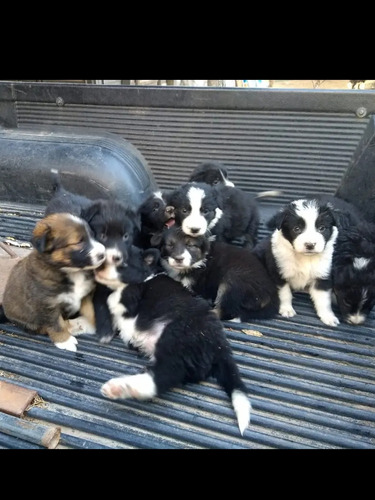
{"type": "Point", "coordinates": [232, 278]}
{"type": "Point", "coordinates": [211, 172]}
{"type": "Point", "coordinates": [181, 336]}
{"type": "Point", "coordinates": [113, 223]}
{"type": "Point", "coordinates": [298, 255]}
{"type": "Point", "coordinates": [141, 265]}
{"type": "Point", "coordinates": [353, 272]}
{"type": "Point", "coordinates": [155, 215]}
{"type": "Point", "coordinates": [227, 213]}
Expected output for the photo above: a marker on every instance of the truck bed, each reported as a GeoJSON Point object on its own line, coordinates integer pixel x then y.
{"type": "Point", "coordinates": [311, 386]}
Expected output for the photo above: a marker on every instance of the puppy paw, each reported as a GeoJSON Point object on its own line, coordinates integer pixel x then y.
{"type": "Point", "coordinates": [68, 345]}
{"type": "Point", "coordinates": [330, 319]}
{"type": "Point", "coordinates": [80, 325]}
{"type": "Point", "coordinates": [139, 386]}
{"type": "Point", "coordinates": [287, 311]}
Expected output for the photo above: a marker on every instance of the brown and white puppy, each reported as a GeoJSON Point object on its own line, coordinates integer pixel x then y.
{"type": "Point", "coordinates": [54, 282]}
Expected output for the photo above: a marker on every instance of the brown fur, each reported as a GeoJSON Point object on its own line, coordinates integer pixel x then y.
{"type": "Point", "coordinates": [32, 296]}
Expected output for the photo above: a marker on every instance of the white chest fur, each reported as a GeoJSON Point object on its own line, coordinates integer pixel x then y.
{"type": "Point", "coordinates": [82, 285]}
{"type": "Point", "coordinates": [298, 269]}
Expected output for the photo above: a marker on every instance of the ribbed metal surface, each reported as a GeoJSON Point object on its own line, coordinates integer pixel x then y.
{"type": "Point", "coordinates": [311, 386]}
{"type": "Point", "coordinates": [297, 152]}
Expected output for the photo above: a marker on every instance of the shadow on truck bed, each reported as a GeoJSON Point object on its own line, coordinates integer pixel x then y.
{"type": "Point", "coordinates": [311, 386]}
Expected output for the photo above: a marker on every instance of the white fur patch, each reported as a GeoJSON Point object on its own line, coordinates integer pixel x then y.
{"type": "Point", "coordinates": [68, 345]}
{"type": "Point", "coordinates": [140, 386]}
{"type": "Point", "coordinates": [82, 285]}
{"type": "Point", "coordinates": [226, 181]}
{"type": "Point", "coordinates": [309, 213]}
{"type": "Point", "coordinates": [360, 263]}
{"type": "Point", "coordinates": [127, 327]}
{"type": "Point", "coordinates": [159, 195]}
{"type": "Point", "coordinates": [195, 220]}
{"type": "Point", "coordinates": [242, 408]}
{"type": "Point", "coordinates": [215, 220]}
{"type": "Point", "coordinates": [322, 302]}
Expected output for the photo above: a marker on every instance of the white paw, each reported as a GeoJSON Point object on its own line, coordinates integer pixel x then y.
{"type": "Point", "coordinates": [287, 311]}
{"type": "Point", "coordinates": [330, 320]}
{"type": "Point", "coordinates": [68, 345]}
{"type": "Point", "coordinates": [80, 325]}
{"type": "Point", "coordinates": [236, 320]}
{"type": "Point", "coordinates": [139, 386]}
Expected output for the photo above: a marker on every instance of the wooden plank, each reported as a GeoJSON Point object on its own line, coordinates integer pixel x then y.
{"type": "Point", "coordinates": [14, 399]}
{"type": "Point", "coordinates": [47, 436]}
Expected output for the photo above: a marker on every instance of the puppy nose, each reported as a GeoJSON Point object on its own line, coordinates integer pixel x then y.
{"type": "Point", "coordinates": [194, 230]}
{"type": "Point", "coordinates": [169, 210]}
{"type": "Point", "coordinates": [179, 259]}
{"type": "Point", "coordinates": [310, 246]}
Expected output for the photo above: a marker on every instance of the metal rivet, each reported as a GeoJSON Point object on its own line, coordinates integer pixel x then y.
{"type": "Point", "coordinates": [361, 112]}
{"type": "Point", "coordinates": [60, 101]}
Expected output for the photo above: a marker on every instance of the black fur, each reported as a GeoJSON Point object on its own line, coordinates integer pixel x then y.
{"type": "Point", "coordinates": [155, 215]}
{"type": "Point", "coordinates": [232, 278]}
{"type": "Point", "coordinates": [192, 345]}
{"type": "Point", "coordinates": [210, 172]}
{"type": "Point", "coordinates": [230, 213]}
{"type": "Point", "coordinates": [298, 254]}
{"type": "Point", "coordinates": [112, 222]}
{"type": "Point", "coordinates": [354, 286]}
{"type": "Point", "coordinates": [140, 265]}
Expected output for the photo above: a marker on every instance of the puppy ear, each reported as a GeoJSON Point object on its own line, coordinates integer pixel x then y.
{"type": "Point", "coordinates": [89, 212]}
{"type": "Point", "coordinates": [42, 239]}
{"type": "Point", "coordinates": [156, 239]}
{"type": "Point", "coordinates": [275, 222]}
{"type": "Point", "coordinates": [151, 256]}
{"type": "Point", "coordinates": [136, 219]}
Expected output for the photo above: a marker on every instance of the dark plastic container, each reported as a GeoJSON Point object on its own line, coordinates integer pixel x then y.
{"type": "Point", "coordinates": [93, 163]}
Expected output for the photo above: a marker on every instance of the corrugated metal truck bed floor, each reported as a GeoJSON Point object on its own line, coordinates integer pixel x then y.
{"type": "Point", "coordinates": [311, 386]}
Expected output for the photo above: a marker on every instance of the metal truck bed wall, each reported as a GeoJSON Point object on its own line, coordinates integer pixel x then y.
{"type": "Point", "coordinates": [311, 386]}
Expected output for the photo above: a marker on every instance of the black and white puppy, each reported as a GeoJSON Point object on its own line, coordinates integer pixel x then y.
{"type": "Point", "coordinates": [155, 215]}
{"type": "Point", "coordinates": [140, 265]}
{"type": "Point", "coordinates": [353, 271]}
{"type": "Point", "coordinates": [227, 213]}
{"type": "Point", "coordinates": [211, 172]}
{"type": "Point", "coordinates": [181, 336]}
{"type": "Point", "coordinates": [112, 222]}
{"type": "Point", "coordinates": [233, 279]}
{"type": "Point", "coordinates": [298, 255]}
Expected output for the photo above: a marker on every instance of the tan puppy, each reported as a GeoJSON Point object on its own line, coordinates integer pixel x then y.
{"type": "Point", "coordinates": [54, 282]}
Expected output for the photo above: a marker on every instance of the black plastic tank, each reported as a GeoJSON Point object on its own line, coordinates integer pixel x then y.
{"type": "Point", "coordinates": [92, 163]}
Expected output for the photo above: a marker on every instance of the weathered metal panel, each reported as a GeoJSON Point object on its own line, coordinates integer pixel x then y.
{"type": "Point", "coordinates": [295, 152]}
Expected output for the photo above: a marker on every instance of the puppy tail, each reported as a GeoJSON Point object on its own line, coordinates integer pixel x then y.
{"type": "Point", "coordinates": [56, 182]}
{"type": "Point", "coordinates": [269, 194]}
{"type": "Point", "coordinates": [229, 378]}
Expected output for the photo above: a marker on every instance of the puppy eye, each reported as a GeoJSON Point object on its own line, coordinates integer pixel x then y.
{"type": "Point", "coordinates": [103, 237]}
{"type": "Point", "coordinates": [125, 236]}
{"type": "Point", "coordinates": [321, 229]}
{"type": "Point", "coordinates": [297, 230]}
{"type": "Point", "coordinates": [346, 302]}
{"type": "Point", "coordinates": [216, 181]}
{"type": "Point", "coordinates": [184, 210]}
{"type": "Point", "coordinates": [204, 211]}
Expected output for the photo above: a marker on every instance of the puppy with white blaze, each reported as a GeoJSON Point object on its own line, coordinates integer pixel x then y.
{"type": "Point", "coordinates": [298, 255]}
{"type": "Point", "coordinates": [181, 336]}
